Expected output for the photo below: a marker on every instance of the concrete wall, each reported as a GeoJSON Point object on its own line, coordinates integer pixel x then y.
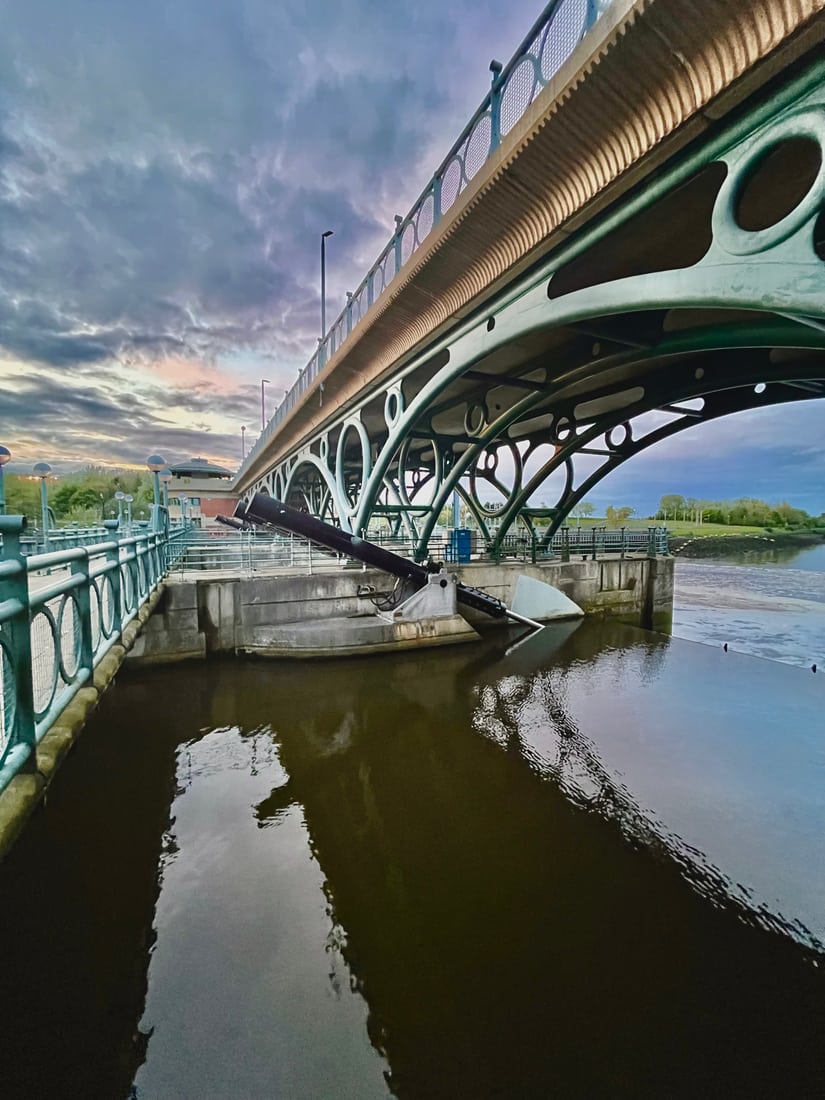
{"type": "Point", "coordinates": [637, 589]}
{"type": "Point", "coordinates": [203, 617]}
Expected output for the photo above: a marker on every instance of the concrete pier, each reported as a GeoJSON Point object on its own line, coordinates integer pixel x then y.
{"type": "Point", "coordinates": [330, 614]}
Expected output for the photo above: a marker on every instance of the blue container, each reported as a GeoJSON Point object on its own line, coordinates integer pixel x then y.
{"type": "Point", "coordinates": [460, 544]}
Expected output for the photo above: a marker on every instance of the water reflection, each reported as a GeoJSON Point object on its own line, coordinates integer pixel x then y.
{"type": "Point", "coordinates": [768, 603]}
{"type": "Point", "coordinates": [76, 919]}
{"type": "Point", "coordinates": [514, 936]}
{"type": "Point", "coordinates": [529, 709]}
{"type": "Point", "coordinates": [456, 874]}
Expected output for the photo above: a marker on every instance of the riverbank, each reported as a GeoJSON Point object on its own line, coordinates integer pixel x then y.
{"type": "Point", "coordinates": [721, 546]}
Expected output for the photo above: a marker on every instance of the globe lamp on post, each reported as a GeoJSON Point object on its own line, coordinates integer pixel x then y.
{"type": "Point", "coordinates": [5, 455]}
{"type": "Point", "coordinates": [156, 464]}
{"type": "Point", "coordinates": [120, 496]}
{"type": "Point", "coordinates": [128, 500]}
{"type": "Point", "coordinates": [165, 477]}
{"type": "Point", "coordinates": [42, 470]}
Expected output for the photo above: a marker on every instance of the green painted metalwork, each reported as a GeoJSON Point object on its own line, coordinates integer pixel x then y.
{"type": "Point", "coordinates": [547, 46]}
{"type": "Point", "coordinates": [17, 736]}
{"type": "Point", "coordinates": [60, 613]}
{"type": "Point", "coordinates": [741, 327]}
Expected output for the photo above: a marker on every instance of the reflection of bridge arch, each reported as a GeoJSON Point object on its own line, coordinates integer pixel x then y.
{"type": "Point", "coordinates": [702, 297]}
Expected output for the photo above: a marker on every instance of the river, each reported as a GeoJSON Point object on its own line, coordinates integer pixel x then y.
{"type": "Point", "coordinates": [588, 865]}
{"type": "Point", "coordinates": [768, 602]}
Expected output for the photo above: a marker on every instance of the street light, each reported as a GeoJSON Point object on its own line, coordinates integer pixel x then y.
{"type": "Point", "coordinates": [42, 470]}
{"type": "Point", "coordinates": [120, 496]}
{"type": "Point", "coordinates": [183, 502]}
{"type": "Point", "coordinates": [156, 464]}
{"type": "Point", "coordinates": [243, 442]}
{"type": "Point", "coordinates": [264, 382]}
{"type": "Point", "coordinates": [165, 477]}
{"type": "Point", "coordinates": [5, 455]}
{"type": "Point", "coordinates": [324, 235]}
{"type": "Point", "coordinates": [128, 499]}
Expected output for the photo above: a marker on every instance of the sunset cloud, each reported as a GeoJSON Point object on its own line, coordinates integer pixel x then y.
{"type": "Point", "coordinates": [165, 172]}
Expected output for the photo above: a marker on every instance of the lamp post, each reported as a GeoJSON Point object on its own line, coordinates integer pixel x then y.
{"type": "Point", "coordinates": [128, 499]}
{"type": "Point", "coordinates": [156, 464]}
{"type": "Point", "coordinates": [243, 442]}
{"type": "Point", "coordinates": [183, 502]}
{"type": "Point", "coordinates": [324, 235]}
{"type": "Point", "coordinates": [120, 496]}
{"type": "Point", "coordinates": [5, 455]}
{"type": "Point", "coordinates": [165, 477]}
{"type": "Point", "coordinates": [42, 470]}
{"type": "Point", "coordinates": [264, 382]}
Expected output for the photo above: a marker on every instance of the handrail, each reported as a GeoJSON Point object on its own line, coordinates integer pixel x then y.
{"type": "Point", "coordinates": [544, 50]}
{"type": "Point", "coordinates": [250, 552]}
{"type": "Point", "coordinates": [52, 637]}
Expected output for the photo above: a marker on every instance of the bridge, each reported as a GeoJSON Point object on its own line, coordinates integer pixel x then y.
{"type": "Point", "coordinates": [626, 240]}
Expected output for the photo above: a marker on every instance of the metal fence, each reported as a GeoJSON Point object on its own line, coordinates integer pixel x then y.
{"type": "Point", "coordinates": [548, 45]}
{"type": "Point", "coordinates": [248, 553]}
{"type": "Point", "coordinates": [586, 542]}
{"type": "Point", "coordinates": [244, 553]}
{"type": "Point", "coordinates": [60, 613]}
{"type": "Point", "coordinates": [66, 538]}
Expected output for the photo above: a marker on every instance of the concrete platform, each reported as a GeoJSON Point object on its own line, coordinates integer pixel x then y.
{"type": "Point", "coordinates": [359, 634]}
{"type": "Point", "coordinates": [331, 614]}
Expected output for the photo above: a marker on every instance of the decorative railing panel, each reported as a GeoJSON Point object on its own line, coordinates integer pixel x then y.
{"type": "Point", "coordinates": [60, 613]}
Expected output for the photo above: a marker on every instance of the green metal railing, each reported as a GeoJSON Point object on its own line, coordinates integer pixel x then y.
{"type": "Point", "coordinates": [247, 553]}
{"type": "Point", "coordinates": [586, 542]}
{"type": "Point", "coordinates": [60, 613]}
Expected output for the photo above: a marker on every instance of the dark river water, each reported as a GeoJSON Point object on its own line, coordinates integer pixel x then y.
{"type": "Point", "coordinates": [590, 867]}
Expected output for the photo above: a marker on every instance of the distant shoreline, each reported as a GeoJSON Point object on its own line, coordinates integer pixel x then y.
{"type": "Point", "coordinates": [711, 546]}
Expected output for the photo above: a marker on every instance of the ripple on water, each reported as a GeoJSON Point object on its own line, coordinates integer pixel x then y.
{"type": "Point", "coordinates": [775, 613]}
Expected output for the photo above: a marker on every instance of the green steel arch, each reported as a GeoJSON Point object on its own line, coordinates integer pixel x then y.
{"type": "Point", "coordinates": [577, 363]}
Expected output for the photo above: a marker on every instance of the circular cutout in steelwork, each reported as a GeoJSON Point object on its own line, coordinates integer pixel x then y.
{"type": "Point", "coordinates": [806, 127]}
{"type": "Point", "coordinates": [475, 419]}
{"type": "Point", "coordinates": [776, 183]}
{"type": "Point", "coordinates": [564, 429]}
{"type": "Point", "coordinates": [619, 435]}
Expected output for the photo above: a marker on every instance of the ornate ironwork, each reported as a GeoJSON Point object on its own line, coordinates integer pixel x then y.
{"type": "Point", "coordinates": [617, 363]}
{"type": "Point", "coordinates": [52, 637]}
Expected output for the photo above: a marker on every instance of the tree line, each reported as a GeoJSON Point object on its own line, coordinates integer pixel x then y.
{"type": "Point", "coordinates": [744, 512]}
{"type": "Point", "coordinates": [86, 497]}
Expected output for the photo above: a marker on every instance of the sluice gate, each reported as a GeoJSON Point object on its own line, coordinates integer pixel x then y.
{"type": "Point", "coordinates": [264, 510]}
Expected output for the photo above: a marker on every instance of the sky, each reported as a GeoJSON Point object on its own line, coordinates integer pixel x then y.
{"type": "Point", "coordinates": [165, 172]}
